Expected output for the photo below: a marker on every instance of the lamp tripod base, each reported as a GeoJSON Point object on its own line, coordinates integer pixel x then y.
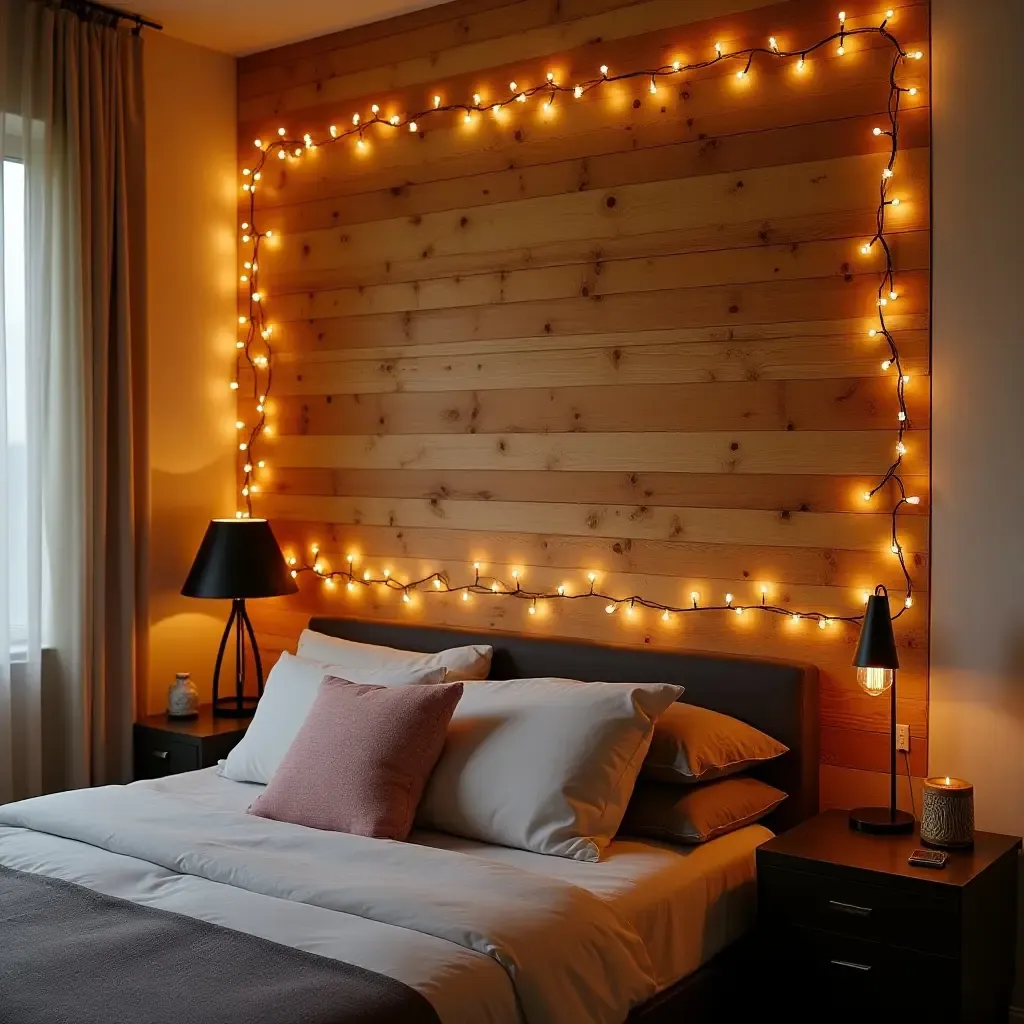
{"type": "Point", "coordinates": [881, 821]}
{"type": "Point", "coordinates": [234, 707]}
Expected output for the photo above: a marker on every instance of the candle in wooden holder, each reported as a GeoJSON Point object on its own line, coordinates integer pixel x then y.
{"type": "Point", "coordinates": [947, 813]}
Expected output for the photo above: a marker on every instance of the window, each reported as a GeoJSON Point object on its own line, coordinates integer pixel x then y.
{"type": "Point", "coordinates": [14, 465]}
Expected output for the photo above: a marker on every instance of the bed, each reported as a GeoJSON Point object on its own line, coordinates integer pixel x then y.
{"type": "Point", "coordinates": [475, 932]}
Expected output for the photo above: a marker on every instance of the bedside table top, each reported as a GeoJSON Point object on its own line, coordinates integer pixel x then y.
{"type": "Point", "coordinates": [202, 726]}
{"type": "Point", "coordinates": [829, 840]}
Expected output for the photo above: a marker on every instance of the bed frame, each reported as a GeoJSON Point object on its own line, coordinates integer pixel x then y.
{"type": "Point", "coordinates": [779, 698]}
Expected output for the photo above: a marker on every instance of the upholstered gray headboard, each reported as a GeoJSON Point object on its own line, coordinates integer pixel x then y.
{"type": "Point", "coordinates": [776, 697]}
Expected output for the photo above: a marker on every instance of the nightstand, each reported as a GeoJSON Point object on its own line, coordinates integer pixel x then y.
{"type": "Point", "coordinates": [849, 929]}
{"type": "Point", "coordinates": [167, 746]}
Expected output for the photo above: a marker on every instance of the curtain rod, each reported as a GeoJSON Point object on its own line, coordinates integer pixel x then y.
{"type": "Point", "coordinates": [114, 12]}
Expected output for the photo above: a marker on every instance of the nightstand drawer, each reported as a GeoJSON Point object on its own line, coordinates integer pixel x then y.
{"type": "Point", "coordinates": [163, 755]}
{"type": "Point", "coordinates": [851, 976]}
{"type": "Point", "coordinates": [860, 910]}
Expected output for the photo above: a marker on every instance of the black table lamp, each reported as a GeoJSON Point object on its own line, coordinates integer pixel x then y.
{"type": "Point", "coordinates": [876, 661]}
{"type": "Point", "coordinates": [239, 558]}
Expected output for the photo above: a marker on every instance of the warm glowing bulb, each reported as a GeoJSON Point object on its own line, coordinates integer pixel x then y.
{"type": "Point", "coordinates": [281, 154]}
{"type": "Point", "coordinates": [728, 598]}
{"type": "Point", "coordinates": [361, 144]}
{"type": "Point", "coordinates": [561, 591]}
{"type": "Point", "coordinates": [242, 447]}
{"type": "Point", "coordinates": [629, 609]}
{"type": "Point", "coordinates": [889, 13]}
{"type": "Point", "coordinates": [772, 42]}
{"type": "Point", "coordinates": [665, 616]}
{"type": "Point", "coordinates": [872, 332]}
{"type": "Point", "coordinates": [609, 608]}
{"type": "Point", "coordinates": [894, 295]}
{"type": "Point", "coordinates": [740, 74]}
{"type": "Point", "coordinates": [912, 91]}
{"type": "Point", "coordinates": [329, 583]}
{"type": "Point", "coordinates": [515, 574]}
{"type": "Point", "coordinates": [465, 595]}
{"type": "Point", "coordinates": [551, 78]}
{"type": "Point", "coordinates": [591, 576]}
{"type": "Point", "coordinates": [318, 567]}
{"type": "Point", "coordinates": [901, 415]}
{"type": "Point", "coordinates": [233, 385]}
{"type": "Point", "coordinates": [281, 132]}
{"type": "Point", "coordinates": [867, 495]}
{"type": "Point", "coordinates": [350, 585]}
{"type": "Point", "coordinates": [917, 55]}
{"type": "Point", "coordinates": [840, 50]}
{"type": "Point", "coordinates": [894, 548]}
{"type": "Point", "coordinates": [796, 617]}
{"type": "Point", "coordinates": [578, 91]}
{"type": "Point", "coordinates": [532, 610]}
{"type": "Point", "coordinates": [375, 109]}
{"type": "Point", "coordinates": [842, 15]}
{"type": "Point", "coordinates": [245, 492]}
{"type": "Point", "coordinates": [883, 302]}
{"type": "Point", "coordinates": [437, 102]}
{"type": "Point", "coordinates": [895, 202]}
{"type": "Point", "coordinates": [901, 449]}
{"type": "Point", "coordinates": [908, 602]}
{"type": "Point", "coordinates": [513, 87]}
{"type": "Point", "coordinates": [387, 573]}
{"type": "Point", "coordinates": [822, 623]}
{"type": "Point", "coordinates": [469, 118]}
{"type": "Point", "coordinates": [913, 500]}
{"type": "Point", "coordinates": [875, 681]}
{"type": "Point", "coordinates": [905, 378]}
{"type": "Point", "coordinates": [718, 49]}
{"type": "Point", "coordinates": [412, 126]}
{"type": "Point", "coordinates": [887, 172]}
{"type": "Point", "coordinates": [694, 596]}
{"type": "Point", "coordinates": [239, 424]}
{"type": "Point", "coordinates": [886, 363]}
{"type": "Point", "coordinates": [476, 566]}
{"type": "Point", "coordinates": [494, 588]}
{"type": "Point", "coordinates": [366, 574]}
{"type": "Point", "coordinates": [405, 597]}
{"type": "Point", "coordinates": [334, 131]}
{"type": "Point", "coordinates": [261, 464]}
{"type": "Point", "coordinates": [350, 559]}
{"type": "Point", "coordinates": [247, 188]}
{"type": "Point", "coordinates": [604, 70]}
{"type": "Point", "coordinates": [239, 344]}
{"type": "Point", "coordinates": [739, 611]}
{"type": "Point", "coordinates": [395, 119]}
{"type": "Point", "coordinates": [876, 131]}
{"type": "Point", "coordinates": [256, 296]}
{"type": "Point", "coordinates": [476, 97]}
{"type": "Point", "coordinates": [437, 584]}
{"type": "Point", "coordinates": [654, 87]}
{"type": "Point", "coordinates": [245, 238]}
{"type": "Point", "coordinates": [676, 65]}
{"type": "Point", "coordinates": [865, 249]}
{"type": "Point", "coordinates": [294, 574]}
{"type": "Point", "coordinates": [247, 468]}
{"type": "Point", "coordinates": [521, 97]}
{"type": "Point", "coordinates": [258, 143]}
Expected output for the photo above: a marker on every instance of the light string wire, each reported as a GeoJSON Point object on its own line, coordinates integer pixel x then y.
{"type": "Point", "coordinates": [255, 352]}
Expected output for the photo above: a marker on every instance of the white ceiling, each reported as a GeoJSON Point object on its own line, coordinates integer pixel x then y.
{"type": "Point", "coordinates": [232, 26]}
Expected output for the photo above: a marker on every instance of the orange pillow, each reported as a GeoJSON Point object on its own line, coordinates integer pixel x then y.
{"type": "Point", "coordinates": [694, 744]}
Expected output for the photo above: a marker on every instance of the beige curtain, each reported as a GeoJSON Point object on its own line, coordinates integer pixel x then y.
{"type": "Point", "coordinates": [74, 84]}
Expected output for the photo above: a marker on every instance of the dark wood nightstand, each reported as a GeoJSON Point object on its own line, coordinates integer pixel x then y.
{"type": "Point", "coordinates": [850, 929]}
{"type": "Point", "coordinates": [167, 746]}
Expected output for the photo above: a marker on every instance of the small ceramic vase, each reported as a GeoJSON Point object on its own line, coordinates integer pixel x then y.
{"type": "Point", "coordinates": [182, 697]}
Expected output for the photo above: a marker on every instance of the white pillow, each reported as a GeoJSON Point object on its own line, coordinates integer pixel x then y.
{"type": "Point", "coordinates": [461, 662]}
{"type": "Point", "coordinates": [287, 697]}
{"type": "Point", "coordinates": [543, 764]}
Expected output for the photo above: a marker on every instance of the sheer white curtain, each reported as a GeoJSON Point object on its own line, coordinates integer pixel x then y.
{"type": "Point", "coordinates": [72, 334]}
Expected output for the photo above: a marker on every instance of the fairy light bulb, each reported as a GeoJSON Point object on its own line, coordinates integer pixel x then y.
{"type": "Point", "coordinates": [350, 585]}
{"type": "Point", "coordinates": [243, 447]}
{"type": "Point", "coordinates": [718, 49]}
{"type": "Point", "coordinates": [521, 98]}
{"type": "Point", "coordinates": [666, 616]}
{"type": "Point", "coordinates": [387, 574]}
{"type": "Point", "coordinates": [355, 119]}
{"type": "Point", "coordinates": [901, 449]}
{"type": "Point", "coordinates": [294, 573]}
{"type": "Point", "coordinates": [476, 96]}
{"type": "Point", "coordinates": [360, 144]}
{"type": "Point", "coordinates": [901, 416]}
{"type": "Point", "coordinates": [494, 588]}
{"type": "Point", "coordinates": [917, 55]}
{"type": "Point", "coordinates": [513, 87]}
{"type": "Point", "coordinates": [913, 500]}
{"type": "Point", "coordinates": [893, 295]}
{"type": "Point", "coordinates": [676, 65]}
{"type": "Point", "coordinates": [876, 131]}
{"type": "Point", "coordinates": [366, 575]}
{"type": "Point", "coordinates": [887, 172]}
{"type": "Point", "coordinates": [886, 363]}
{"type": "Point", "coordinates": [840, 50]}
{"type": "Point", "coordinates": [550, 77]}
{"type": "Point", "coordinates": [609, 609]}
{"type": "Point", "coordinates": [239, 425]}
{"type": "Point", "coordinates": [395, 119]}
{"type": "Point", "coordinates": [258, 143]}
{"type": "Point", "coordinates": [468, 118]}
{"type": "Point", "coordinates": [889, 13]}
{"type": "Point", "coordinates": [865, 249]}
{"type": "Point", "coordinates": [261, 464]}
{"type": "Point", "coordinates": [795, 617]}
{"type": "Point", "coordinates": [604, 70]}
{"type": "Point", "coordinates": [247, 468]}
{"type": "Point", "coordinates": [239, 344]}
{"type": "Point", "coordinates": [375, 109]}
{"type": "Point", "coordinates": [894, 202]}
{"type": "Point", "coordinates": [256, 296]}
{"type": "Point", "coordinates": [437, 584]}
{"type": "Point", "coordinates": [561, 591]}
{"type": "Point", "coordinates": [842, 17]}
{"type": "Point", "coordinates": [578, 91]}
{"type": "Point", "coordinates": [591, 576]}
{"type": "Point", "coordinates": [318, 567]}
{"type": "Point", "coordinates": [281, 154]}
{"type": "Point", "coordinates": [437, 102]}
{"type": "Point", "coordinates": [412, 126]}
{"type": "Point", "coordinates": [334, 131]}
{"type": "Point", "coordinates": [773, 44]}
{"type": "Point", "coordinates": [905, 378]}
{"type": "Point", "coordinates": [728, 598]}
{"type": "Point", "coordinates": [281, 132]}
{"type": "Point", "coordinates": [245, 238]}
{"type": "Point", "coordinates": [822, 623]}
{"type": "Point", "coordinates": [233, 385]}
{"type": "Point", "coordinates": [908, 603]}
{"type": "Point", "coordinates": [465, 595]}
{"type": "Point", "coordinates": [739, 611]}
{"type": "Point", "coordinates": [694, 597]}
{"type": "Point", "coordinates": [872, 333]}
{"type": "Point", "coordinates": [533, 608]}
{"type": "Point", "coordinates": [741, 74]}
{"type": "Point", "coordinates": [867, 495]}
{"type": "Point", "coordinates": [405, 596]}
{"type": "Point", "coordinates": [246, 188]}
{"type": "Point", "coordinates": [350, 559]}
{"type": "Point", "coordinates": [654, 87]}
{"type": "Point", "coordinates": [912, 91]}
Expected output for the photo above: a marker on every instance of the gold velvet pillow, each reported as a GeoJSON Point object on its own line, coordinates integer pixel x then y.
{"type": "Point", "coordinates": [694, 744]}
{"type": "Point", "coordinates": [698, 813]}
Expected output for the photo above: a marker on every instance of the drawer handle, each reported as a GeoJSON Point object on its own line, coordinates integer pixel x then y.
{"type": "Point", "coordinates": [851, 965]}
{"type": "Point", "coordinates": [160, 755]}
{"type": "Point", "coordinates": [850, 908]}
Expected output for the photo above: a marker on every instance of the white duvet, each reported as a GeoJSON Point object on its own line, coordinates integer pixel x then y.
{"type": "Point", "coordinates": [483, 941]}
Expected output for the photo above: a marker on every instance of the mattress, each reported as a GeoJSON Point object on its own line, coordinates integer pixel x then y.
{"type": "Point", "coordinates": [643, 917]}
{"type": "Point", "coordinates": [686, 904]}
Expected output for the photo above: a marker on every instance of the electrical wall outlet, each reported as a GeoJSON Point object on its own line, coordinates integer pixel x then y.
{"type": "Point", "coordinates": [903, 737]}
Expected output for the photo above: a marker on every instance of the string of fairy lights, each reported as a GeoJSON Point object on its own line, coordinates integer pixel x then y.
{"type": "Point", "coordinates": [255, 352]}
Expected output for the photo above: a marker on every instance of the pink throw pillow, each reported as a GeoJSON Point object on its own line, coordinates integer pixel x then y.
{"type": "Point", "coordinates": [361, 759]}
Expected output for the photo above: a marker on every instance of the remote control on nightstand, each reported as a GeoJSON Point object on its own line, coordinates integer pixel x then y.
{"type": "Point", "coordinates": [928, 859]}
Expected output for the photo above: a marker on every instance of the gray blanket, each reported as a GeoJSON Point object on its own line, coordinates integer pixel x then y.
{"type": "Point", "coordinates": [69, 955]}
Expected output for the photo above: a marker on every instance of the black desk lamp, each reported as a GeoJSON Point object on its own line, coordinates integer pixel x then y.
{"type": "Point", "coordinates": [876, 661]}
{"type": "Point", "coordinates": [238, 558]}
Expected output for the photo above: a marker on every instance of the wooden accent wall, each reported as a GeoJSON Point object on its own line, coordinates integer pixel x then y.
{"type": "Point", "coordinates": [630, 337]}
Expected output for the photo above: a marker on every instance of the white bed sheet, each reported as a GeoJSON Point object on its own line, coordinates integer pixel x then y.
{"type": "Point", "coordinates": [686, 904]}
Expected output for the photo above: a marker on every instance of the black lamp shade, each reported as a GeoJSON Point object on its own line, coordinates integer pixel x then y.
{"type": "Point", "coordinates": [239, 558]}
{"type": "Point", "coordinates": [877, 647]}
